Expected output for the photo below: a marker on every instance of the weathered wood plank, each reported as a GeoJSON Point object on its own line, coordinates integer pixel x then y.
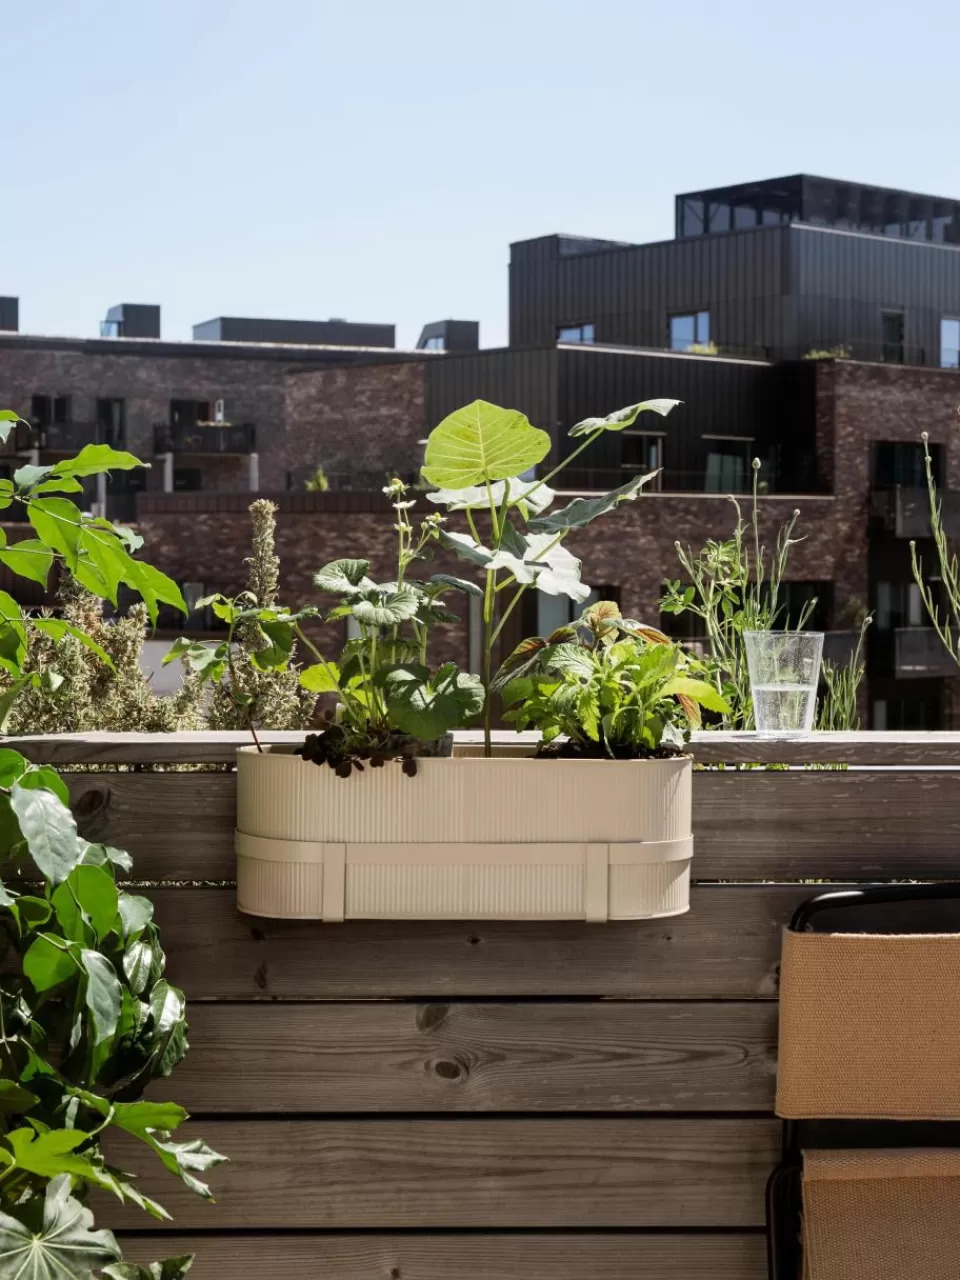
{"type": "Point", "coordinates": [619, 1256]}
{"type": "Point", "coordinates": [727, 946]}
{"type": "Point", "coordinates": [518, 1057]}
{"type": "Point", "coordinates": [896, 747]}
{"type": "Point", "coordinates": [756, 825]}
{"type": "Point", "coordinates": [469, 1172]}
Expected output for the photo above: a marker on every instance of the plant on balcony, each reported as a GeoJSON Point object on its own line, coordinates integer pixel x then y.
{"type": "Point", "coordinates": [477, 457]}
{"type": "Point", "coordinates": [87, 1018]}
{"type": "Point", "coordinates": [271, 697]}
{"type": "Point", "coordinates": [605, 687]}
{"type": "Point", "coordinates": [390, 704]}
{"type": "Point", "coordinates": [732, 586]}
{"type": "Point", "coordinates": [945, 622]}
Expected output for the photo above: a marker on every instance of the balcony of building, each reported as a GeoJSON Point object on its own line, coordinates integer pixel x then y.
{"type": "Point", "coordinates": [910, 653]}
{"type": "Point", "coordinates": [200, 441]}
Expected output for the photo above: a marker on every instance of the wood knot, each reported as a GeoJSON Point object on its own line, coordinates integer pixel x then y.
{"type": "Point", "coordinates": [394, 1273]}
{"type": "Point", "coordinates": [260, 977]}
{"type": "Point", "coordinates": [431, 1016]}
{"type": "Point", "coordinates": [448, 1070]}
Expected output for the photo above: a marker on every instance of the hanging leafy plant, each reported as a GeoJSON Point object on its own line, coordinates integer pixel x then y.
{"type": "Point", "coordinates": [87, 1017]}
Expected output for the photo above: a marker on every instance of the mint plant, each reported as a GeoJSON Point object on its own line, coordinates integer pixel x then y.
{"type": "Point", "coordinates": [477, 458]}
{"type": "Point", "coordinates": [608, 686]}
{"type": "Point", "coordinates": [87, 1018]}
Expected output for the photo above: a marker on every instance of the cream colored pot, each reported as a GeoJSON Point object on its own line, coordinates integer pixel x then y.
{"type": "Point", "coordinates": [466, 839]}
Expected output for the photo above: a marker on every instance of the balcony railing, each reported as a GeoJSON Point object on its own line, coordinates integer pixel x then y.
{"type": "Point", "coordinates": [919, 652]}
{"type": "Point", "coordinates": [237, 439]}
{"type": "Point", "coordinates": [63, 437]}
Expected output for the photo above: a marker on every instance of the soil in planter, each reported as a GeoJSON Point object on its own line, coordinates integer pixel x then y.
{"type": "Point", "coordinates": [596, 751]}
{"type": "Point", "coordinates": [345, 752]}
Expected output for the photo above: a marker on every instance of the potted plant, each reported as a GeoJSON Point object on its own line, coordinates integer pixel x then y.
{"type": "Point", "coordinates": [597, 830]}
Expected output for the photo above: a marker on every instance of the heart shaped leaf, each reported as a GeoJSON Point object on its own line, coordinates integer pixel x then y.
{"type": "Point", "coordinates": [65, 1247]}
{"type": "Point", "coordinates": [481, 443]}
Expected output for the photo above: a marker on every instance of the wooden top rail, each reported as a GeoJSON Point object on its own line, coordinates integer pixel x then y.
{"type": "Point", "coordinates": [708, 747]}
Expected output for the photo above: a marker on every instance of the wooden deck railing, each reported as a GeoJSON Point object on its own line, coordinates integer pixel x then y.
{"type": "Point", "coordinates": [544, 1101]}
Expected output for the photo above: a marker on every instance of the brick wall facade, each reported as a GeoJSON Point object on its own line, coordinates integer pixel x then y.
{"type": "Point", "coordinates": [365, 420]}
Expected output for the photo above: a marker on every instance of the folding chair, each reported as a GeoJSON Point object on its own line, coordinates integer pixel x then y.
{"type": "Point", "coordinates": [868, 1086]}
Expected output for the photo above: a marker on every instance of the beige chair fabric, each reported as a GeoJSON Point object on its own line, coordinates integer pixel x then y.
{"type": "Point", "coordinates": [870, 1028]}
{"type": "Point", "coordinates": [881, 1215]}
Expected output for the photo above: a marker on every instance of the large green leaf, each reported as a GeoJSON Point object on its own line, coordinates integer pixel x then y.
{"type": "Point", "coordinates": [481, 443]}
{"type": "Point", "coordinates": [155, 588]}
{"type": "Point", "coordinates": [52, 1153]}
{"type": "Point", "coordinates": [48, 962]}
{"type": "Point", "coordinates": [15, 1099]}
{"type": "Point", "coordinates": [57, 628]}
{"type": "Point", "coordinates": [581, 511]}
{"type": "Point", "coordinates": [457, 584]}
{"type": "Point", "coordinates": [386, 608]}
{"type": "Point", "coordinates": [95, 458]}
{"type": "Point", "coordinates": [50, 831]}
{"type": "Point", "coordinates": [546, 563]}
{"type": "Point", "coordinates": [185, 1159]}
{"type": "Point", "coordinates": [13, 634]}
{"type": "Point", "coordinates": [623, 417]}
{"type": "Point", "coordinates": [529, 495]}
{"type": "Point", "coordinates": [58, 523]}
{"type": "Point", "coordinates": [30, 558]}
{"type": "Point", "coordinates": [429, 709]}
{"type": "Point", "coordinates": [103, 994]}
{"type": "Point", "coordinates": [64, 1248]}
{"type": "Point", "coordinates": [343, 577]}
{"type": "Point", "coordinates": [135, 913]}
{"type": "Point", "coordinates": [323, 677]}
{"type": "Point", "coordinates": [466, 547]}
{"type": "Point", "coordinates": [697, 691]}
{"type": "Point", "coordinates": [87, 896]}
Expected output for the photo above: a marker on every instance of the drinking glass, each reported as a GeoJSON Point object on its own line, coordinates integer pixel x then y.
{"type": "Point", "coordinates": [784, 669]}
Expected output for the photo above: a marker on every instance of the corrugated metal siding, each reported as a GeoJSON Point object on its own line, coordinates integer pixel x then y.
{"type": "Point", "coordinates": [720, 397]}
{"type": "Point", "coordinates": [524, 380]}
{"type": "Point", "coordinates": [629, 293]}
{"type": "Point", "coordinates": [844, 282]}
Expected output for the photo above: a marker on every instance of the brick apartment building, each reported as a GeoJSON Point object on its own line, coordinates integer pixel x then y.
{"type": "Point", "coordinates": [758, 277]}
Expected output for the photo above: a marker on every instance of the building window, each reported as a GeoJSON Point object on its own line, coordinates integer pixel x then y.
{"type": "Point", "coordinates": [719, 216]}
{"type": "Point", "coordinates": [434, 344]}
{"type": "Point", "coordinates": [893, 337]}
{"type": "Point", "coordinates": [690, 330]}
{"type": "Point", "coordinates": [639, 452]}
{"type": "Point", "coordinates": [901, 462]}
{"type": "Point", "coordinates": [45, 410]}
{"type": "Point", "coordinates": [576, 333]}
{"type": "Point", "coordinates": [187, 413]}
{"type": "Point", "coordinates": [949, 343]}
{"type": "Point", "coordinates": [690, 218]}
{"type": "Point", "coordinates": [744, 215]}
{"type": "Point", "coordinates": [111, 422]}
{"type": "Point", "coordinates": [110, 329]}
{"type": "Point", "coordinates": [187, 480]}
{"type": "Point", "coordinates": [898, 604]}
{"type": "Point", "coordinates": [728, 465]}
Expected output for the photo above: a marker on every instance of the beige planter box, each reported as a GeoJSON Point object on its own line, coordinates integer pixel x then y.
{"type": "Point", "coordinates": [467, 839]}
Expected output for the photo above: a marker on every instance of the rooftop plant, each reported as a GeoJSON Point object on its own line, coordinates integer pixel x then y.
{"type": "Point", "coordinates": [87, 1018]}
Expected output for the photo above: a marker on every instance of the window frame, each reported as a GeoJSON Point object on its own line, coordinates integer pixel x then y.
{"type": "Point", "coordinates": [944, 320]}
{"type": "Point", "coordinates": [701, 328]}
{"type": "Point", "coordinates": [565, 332]}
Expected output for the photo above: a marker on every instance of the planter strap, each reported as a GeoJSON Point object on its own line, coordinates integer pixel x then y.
{"type": "Point", "coordinates": [596, 883]}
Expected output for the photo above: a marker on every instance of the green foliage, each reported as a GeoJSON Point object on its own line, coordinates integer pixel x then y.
{"type": "Point", "coordinates": [270, 697]}
{"type": "Point", "coordinates": [946, 623]}
{"type": "Point", "coordinates": [91, 674]}
{"type": "Point", "coordinates": [318, 482]}
{"type": "Point", "coordinates": [734, 586]}
{"type": "Point", "coordinates": [608, 686]}
{"type": "Point", "coordinates": [828, 353]}
{"type": "Point", "coordinates": [838, 708]}
{"type": "Point", "coordinates": [476, 457]}
{"type": "Point", "coordinates": [385, 689]}
{"type": "Point", "coordinates": [87, 1018]}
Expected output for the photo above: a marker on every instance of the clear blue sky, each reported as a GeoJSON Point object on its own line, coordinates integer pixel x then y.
{"type": "Point", "coordinates": [373, 160]}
